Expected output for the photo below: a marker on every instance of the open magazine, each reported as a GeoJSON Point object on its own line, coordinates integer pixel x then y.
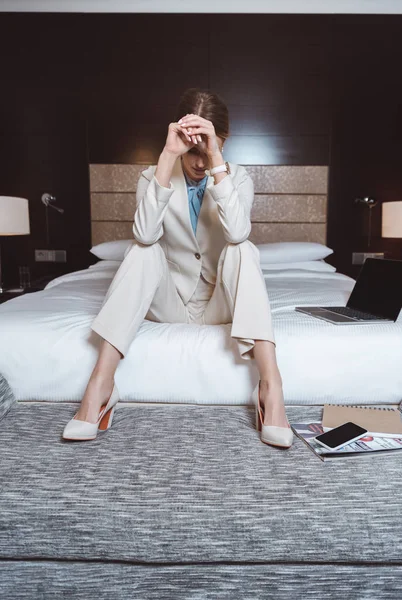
{"type": "Point", "coordinates": [361, 447]}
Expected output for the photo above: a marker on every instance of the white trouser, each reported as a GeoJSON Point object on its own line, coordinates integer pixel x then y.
{"type": "Point", "coordinates": [143, 288]}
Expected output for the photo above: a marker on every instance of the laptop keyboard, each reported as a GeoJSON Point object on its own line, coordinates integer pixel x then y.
{"type": "Point", "coordinates": [351, 312]}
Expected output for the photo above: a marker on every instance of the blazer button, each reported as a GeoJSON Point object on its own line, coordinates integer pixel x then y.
{"type": "Point", "coordinates": [197, 255]}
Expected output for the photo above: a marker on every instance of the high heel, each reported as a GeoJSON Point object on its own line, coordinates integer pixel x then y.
{"type": "Point", "coordinates": [84, 430]}
{"type": "Point", "coordinates": [270, 434]}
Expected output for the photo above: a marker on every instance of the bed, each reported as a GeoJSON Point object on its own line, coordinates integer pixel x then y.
{"type": "Point", "coordinates": [48, 349]}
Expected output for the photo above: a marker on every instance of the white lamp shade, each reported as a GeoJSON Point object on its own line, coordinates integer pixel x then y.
{"type": "Point", "coordinates": [392, 219]}
{"type": "Point", "coordinates": [14, 216]}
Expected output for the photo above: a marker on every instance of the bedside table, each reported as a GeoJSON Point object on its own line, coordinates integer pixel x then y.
{"type": "Point", "coordinates": [10, 295]}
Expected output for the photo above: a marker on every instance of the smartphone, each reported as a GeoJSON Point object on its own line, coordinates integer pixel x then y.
{"type": "Point", "coordinates": [340, 436]}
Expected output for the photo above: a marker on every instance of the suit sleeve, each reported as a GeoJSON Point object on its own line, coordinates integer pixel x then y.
{"type": "Point", "coordinates": [234, 206]}
{"type": "Point", "coordinates": [152, 200]}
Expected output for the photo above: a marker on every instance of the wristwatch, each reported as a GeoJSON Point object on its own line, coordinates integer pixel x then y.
{"type": "Point", "coordinates": [219, 169]}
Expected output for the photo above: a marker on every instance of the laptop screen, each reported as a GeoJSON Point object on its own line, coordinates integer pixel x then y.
{"type": "Point", "coordinates": [378, 289]}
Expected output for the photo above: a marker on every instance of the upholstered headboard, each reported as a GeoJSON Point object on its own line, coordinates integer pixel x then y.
{"type": "Point", "coordinates": [290, 202]}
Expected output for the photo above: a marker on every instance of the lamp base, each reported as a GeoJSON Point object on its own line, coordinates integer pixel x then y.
{"type": "Point", "coordinates": [11, 290]}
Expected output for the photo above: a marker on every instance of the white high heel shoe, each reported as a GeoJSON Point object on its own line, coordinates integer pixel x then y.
{"type": "Point", "coordinates": [270, 434]}
{"type": "Point", "coordinates": [84, 430]}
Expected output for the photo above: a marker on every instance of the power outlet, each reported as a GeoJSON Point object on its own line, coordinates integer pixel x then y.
{"type": "Point", "coordinates": [50, 256]}
{"type": "Point", "coordinates": [358, 258]}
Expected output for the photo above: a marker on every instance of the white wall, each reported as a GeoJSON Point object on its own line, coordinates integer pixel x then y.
{"type": "Point", "coordinates": [206, 6]}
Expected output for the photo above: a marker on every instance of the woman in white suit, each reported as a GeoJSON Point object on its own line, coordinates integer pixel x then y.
{"type": "Point", "coordinates": [190, 262]}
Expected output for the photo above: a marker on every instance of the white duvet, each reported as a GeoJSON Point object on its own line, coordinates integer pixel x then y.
{"type": "Point", "coordinates": [48, 349]}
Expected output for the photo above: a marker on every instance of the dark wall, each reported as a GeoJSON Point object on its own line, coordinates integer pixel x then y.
{"type": "Point", "coordinates": [301, 89]}
{"type": "Point", "coordinates": [366, 140]}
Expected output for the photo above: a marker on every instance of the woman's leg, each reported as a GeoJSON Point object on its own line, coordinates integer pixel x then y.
{"type": "Point", "coordinates": [271, 392]}
{"type": "Point", "coordinates": [241, 297]}
{"type": "Point", "coordinates": [142, 288]}
{"type": "Point", "coordinates": [100, 383]}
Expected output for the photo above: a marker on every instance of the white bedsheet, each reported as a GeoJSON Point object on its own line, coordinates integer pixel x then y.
{"type": "Point", "coordinates": [48, 349]}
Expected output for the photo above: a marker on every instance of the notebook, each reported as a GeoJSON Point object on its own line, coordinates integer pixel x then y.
{"type": "Point", "coordinates": [385, 422]}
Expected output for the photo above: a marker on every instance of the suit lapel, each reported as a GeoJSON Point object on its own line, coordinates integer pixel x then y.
{"type": "Point", "coordinates": [208, 213]}
{"type": "Point", "coordinates": [208, 208]}
{"type": "Point", "coordinates": [181, 207]}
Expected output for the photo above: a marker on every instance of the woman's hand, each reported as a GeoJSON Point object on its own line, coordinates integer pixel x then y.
{"type": "Point", "coordinates": [178, 141]}
{"type": "Point", "coordinates": [194, 125]}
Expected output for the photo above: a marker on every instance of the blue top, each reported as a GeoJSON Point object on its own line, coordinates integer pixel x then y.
{"type": "Point", "coordinates": [195, 190]}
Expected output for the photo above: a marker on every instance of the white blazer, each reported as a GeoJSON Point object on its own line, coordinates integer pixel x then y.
{"type": "Point", "coordinates": [162, 214]}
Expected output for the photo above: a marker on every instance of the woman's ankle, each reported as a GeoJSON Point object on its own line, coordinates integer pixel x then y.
{"type": "Point", "coordinates": [99, 378]}
{"type": "Point", "coordinates": [273, 382]}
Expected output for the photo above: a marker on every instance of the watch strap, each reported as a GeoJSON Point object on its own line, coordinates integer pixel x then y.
{"type": "Point", "coordinates": [220, 168]}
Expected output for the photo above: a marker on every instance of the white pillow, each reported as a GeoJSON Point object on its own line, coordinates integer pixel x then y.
{"type": "Point", "coordinates": [106, 264]}
{"type": "Point", "coordinates": [115, 250]}
{"type": "Point", "coordinates": [284, 252]}
{"type": "Point", "coordinates": [308, 265]}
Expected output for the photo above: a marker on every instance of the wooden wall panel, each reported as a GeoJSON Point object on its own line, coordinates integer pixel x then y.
{"type": "Point", "coordinates": [321, 90]}
{"type": "Point", "coordinates": [35, 163]}
{"type": "Point", "coordinates": [366, 144]}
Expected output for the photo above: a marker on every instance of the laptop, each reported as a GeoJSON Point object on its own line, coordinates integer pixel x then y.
{"type": "Point", "coordinates": [375, 298]}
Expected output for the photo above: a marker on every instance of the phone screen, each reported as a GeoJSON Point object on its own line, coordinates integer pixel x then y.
{"type": "Point", "coordinates": [341, 435]}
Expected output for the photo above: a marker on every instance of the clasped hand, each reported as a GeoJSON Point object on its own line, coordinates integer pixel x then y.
{"type": "Point", "coordinates": [190, 131]}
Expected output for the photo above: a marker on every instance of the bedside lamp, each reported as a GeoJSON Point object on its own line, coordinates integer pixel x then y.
{"type": "Point", "coordinates": [392, 220]}
{"type": "Point", "coordinates": [14, 220]}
